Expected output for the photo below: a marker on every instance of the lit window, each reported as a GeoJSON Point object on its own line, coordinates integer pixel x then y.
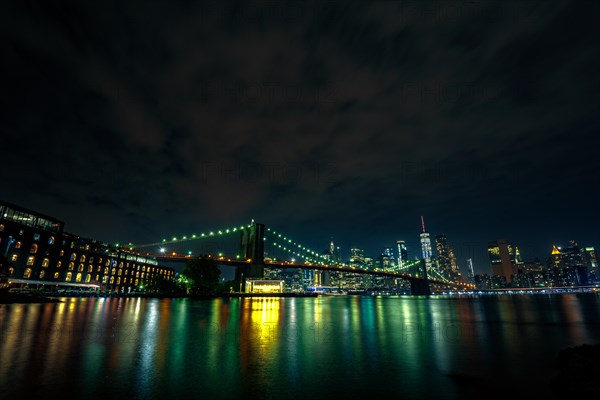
{"type": "Point", "coordinates": [114, 270]}
{"type": "Point", "coordinates": [73, 257]}
{"type": "Point", "coordinates": [30, 260]}
{"type": "Point", "coordinates": [88, 278]}
{"type": "Point", "coordinates": [59, 264]}
{"type": "Point", "coordinates": [136, 282]}
{"type": "Point", "coordinates": [78, 277]}
{"type": "Point", "coordinates": [56, 275]}
{"type": "Point", "coordinates": [71, 266]}
{"type": "Point", "coordinates": [27, 273]}
{"type": "Point", "coordinates": [97, 278]}
{"type": "Point", "coordinates": [1, 227]}
{"type": "Point", "coordinates": [51, 240]}
{"type": "Point", "coordinates": [62, 253]}
{"type": "Point", "coordinates": [11, 271]}
{"type": "Point", "coordinates": [120, 272]}
{"type": "Point", "coordinates": [106, 271]}
{"type": "Point", "coordinates": [36, 237]}
{"type": "Point", "coordinates": [104, 278]}
{"type": "Point", "coordinates": [82, 259]}
{"type": "Point", "coordinates": [91, 260]}
{"type": "Point", "coordinates": [90, 268]}
{"type": "Point", "coordinates": [112, 280]}
{"type": "Point", "coordinates": [80, 268]}
{"type": "Point", "coordinates": [118, 281]}
{"type": "Point", "coordinates": [69, 277]}
{"type": "Point", "coordinates": [34, 249]}
{"type": "Point", "coordinates": [45, 262]}
{"type": "Point", "coordinates": [18, 245]}
{"type": "Point", "coordinates": [14, 257]}
{"type": "Point", "coordinates": [42, 274]}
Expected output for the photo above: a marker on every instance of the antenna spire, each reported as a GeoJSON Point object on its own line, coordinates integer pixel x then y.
{"type": "Point", "coordinates": [423, 223]}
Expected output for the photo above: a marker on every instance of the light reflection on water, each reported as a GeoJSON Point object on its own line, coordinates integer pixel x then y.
{"type": "Point", "coordinates": [290, 347]}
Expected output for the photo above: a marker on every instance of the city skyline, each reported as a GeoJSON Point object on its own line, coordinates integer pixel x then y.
{"type": "Point", "coordinates": [470, 116]}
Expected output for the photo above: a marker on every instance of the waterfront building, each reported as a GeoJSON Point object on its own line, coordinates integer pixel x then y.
{"type": "Point", "coordinates": [38, 251]}
{"type": "Point", "coordinates": [264, 286]}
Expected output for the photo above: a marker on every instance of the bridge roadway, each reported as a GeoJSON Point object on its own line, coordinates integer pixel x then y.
{"type": "Point", "coordinates": [326, 267]}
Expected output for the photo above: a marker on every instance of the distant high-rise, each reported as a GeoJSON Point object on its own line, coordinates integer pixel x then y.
{"type": "Point", "coordinates": [402, 252]}
{"type": "Point", "coordinates": [589, 257]}
{"type": "Point", "coordinates": [446, 256]}
{"type": "Point", "coordinates": [502, 258]}
{"type": "Point", "coordinates": [387, 258]}
{"type": "Point", "coordinates": [357, 257]}
{"type": "Point", "coordinates": [572, 255]}
{"type": "Point", "coordinates": [425, 244]}
{"type": "Point", "coordinates": [471, 273]}
{"type": "Point", "coordinates": [591, 262]}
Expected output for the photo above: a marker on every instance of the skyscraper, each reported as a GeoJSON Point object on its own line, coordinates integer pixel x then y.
{"type": "Point", "coordinates": [425, 244]}
{"type": "Point", "coordinates": [591, 262]}
{"type": "Point", "coordinates": [402, 252]}
{"type": "Point", "coordinates": [471, 273]}
{"type": "Point", "coordinates": [502, 258]}
{"type": "Point", "coordinates": [446, 256]}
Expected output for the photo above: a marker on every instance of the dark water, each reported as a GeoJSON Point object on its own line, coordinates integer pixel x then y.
{"type": "Point", "coordinates": [326, 347]}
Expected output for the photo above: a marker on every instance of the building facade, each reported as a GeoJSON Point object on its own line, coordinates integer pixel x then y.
{"type": "Point", "coordinates": [36, 250]}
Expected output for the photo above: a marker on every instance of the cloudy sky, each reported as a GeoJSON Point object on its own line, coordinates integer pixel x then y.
{"type": "Point", "coordinates": [133, 122]}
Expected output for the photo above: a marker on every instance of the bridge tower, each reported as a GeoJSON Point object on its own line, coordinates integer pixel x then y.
{"type": "Point", "coordinates": [252, 247]}
{"type": "Point", "coordinates": [420, 286]}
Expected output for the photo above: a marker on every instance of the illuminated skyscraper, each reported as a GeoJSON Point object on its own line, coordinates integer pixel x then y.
{"type": "Point", "coordinates": [357, 257]}
{"type": "Point", "coordinates": [502, 258]}
{"type": "Point", "coordinates": [402, 252]}
{"type": "Point", "coordinates": [446, 256]}
{"type": "Point", "coordinates": [425, 244]}
{"type": "Point", "coordinates": [471, 273]}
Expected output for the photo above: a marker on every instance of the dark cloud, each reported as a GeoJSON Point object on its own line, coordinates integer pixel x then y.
{"type": "Point", "coordinates": [136, 121]}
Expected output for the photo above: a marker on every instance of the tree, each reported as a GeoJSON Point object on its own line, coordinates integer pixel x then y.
{"type": "Point", "coordinates": [203, 276]}
{"type": "Point", "coordinates": [164, 286]}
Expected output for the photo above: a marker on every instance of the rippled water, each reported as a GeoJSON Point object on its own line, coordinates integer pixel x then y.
{"type": "Point", "coordinates": [325, 347]}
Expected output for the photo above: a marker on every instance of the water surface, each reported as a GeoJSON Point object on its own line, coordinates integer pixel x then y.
{"type": "Point", "coordinates": [325, 347]}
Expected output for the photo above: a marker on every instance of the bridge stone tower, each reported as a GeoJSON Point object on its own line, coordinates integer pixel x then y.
{"type": "Point", "coordinates": [252, 246]}
{"type": "Point", "coordinates": [420, 287]}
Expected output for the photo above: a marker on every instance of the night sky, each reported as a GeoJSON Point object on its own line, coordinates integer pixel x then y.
{"type": "Point", "coordinates": [134, 122]}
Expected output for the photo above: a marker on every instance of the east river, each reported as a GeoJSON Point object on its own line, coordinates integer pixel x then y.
{"type": "Point", "coordinates": [290, 348]}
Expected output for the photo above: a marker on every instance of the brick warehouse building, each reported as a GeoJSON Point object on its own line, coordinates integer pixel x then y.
{"type": "Point", "coordinates": [34, 249]}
